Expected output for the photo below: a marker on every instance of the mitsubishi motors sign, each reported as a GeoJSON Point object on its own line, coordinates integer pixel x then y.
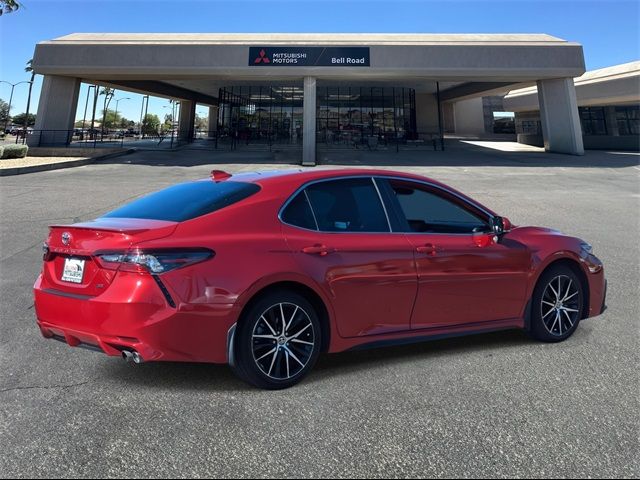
{"type": "Point", "coordinates": [309, 56]}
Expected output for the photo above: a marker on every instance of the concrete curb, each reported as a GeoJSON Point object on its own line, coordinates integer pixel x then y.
{"type": "Point", "coordinates": [5, 172]}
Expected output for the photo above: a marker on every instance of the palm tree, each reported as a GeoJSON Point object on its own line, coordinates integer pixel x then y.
{"type": "Point", "coordinates": [8, 6]}
{"type": "Point", "coordinates": [108, 95]}
{"type": "Point", "coordinates": [29, 69]}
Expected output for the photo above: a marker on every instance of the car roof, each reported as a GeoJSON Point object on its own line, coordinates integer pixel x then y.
{"type": "Point", "coordinates": [286, 182]}
{"type": "Point", "coordinates": [300, 176]}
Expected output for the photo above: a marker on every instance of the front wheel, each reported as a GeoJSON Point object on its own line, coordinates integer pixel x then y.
{"type": "Point", "coordinates": [558, 304]}
{"type": "Point", "coordinates": [278, 341]}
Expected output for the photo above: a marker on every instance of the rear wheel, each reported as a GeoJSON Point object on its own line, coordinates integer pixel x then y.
{"type": "Point", "coordinates": [278, 341]}
{"type": "Point", "coordinates": [558, 304]}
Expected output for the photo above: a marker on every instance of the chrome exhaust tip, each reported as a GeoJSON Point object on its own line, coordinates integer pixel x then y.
{"type": "Point", "coordinates": [137, 358]}
{"type": "Point", "coordinates": [127, 356]}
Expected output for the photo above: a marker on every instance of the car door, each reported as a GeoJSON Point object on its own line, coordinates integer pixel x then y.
{"type": "Point", "coordinates": [339, 233]}
{"type": "Point", "coordinates": [464, 275]}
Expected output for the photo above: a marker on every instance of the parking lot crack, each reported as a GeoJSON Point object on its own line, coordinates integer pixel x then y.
{"type": "Point", "coordinates": [21, 251]}
{"type": "Point", "coordinates": [45, 387]}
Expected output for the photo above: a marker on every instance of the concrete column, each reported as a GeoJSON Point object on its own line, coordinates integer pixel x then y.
{"type": "Point", "coordinates": [187, 120]}
{"type": "Point", "coordinates": [559, 116]}
{"type": "Point", "coordinates": [469, 117]}
{"type": "Point", "coordinates": [426, 113]}
{"type": "Point", "coordinates": [213, 121]}
{"type": "Point", "coordinates": [56, 111]}
{"type": "Point", "coordinates": [309, 123]}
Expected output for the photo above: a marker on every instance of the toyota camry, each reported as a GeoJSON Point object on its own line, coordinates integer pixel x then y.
{"type": "Point", "coordinates": [266, 271]}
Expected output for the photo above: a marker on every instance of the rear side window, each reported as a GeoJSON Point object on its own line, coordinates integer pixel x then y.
{"type": "Point", "coordinates": [186, 201]}
{"type": "Point", "coordinates": [298, 213]}
{"type": "Point", "coordinates": [347, 205]}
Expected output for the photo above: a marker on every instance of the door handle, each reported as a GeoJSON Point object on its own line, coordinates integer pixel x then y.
{"type": "Point", "coordinates": [429, 249]}
{"type": "Point", "coordinates": [321, 250]}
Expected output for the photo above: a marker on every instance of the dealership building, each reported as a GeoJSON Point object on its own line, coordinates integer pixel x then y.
{"type": "Point", "coordinates": [310, 89]}
{"type": "Point", "coordinates": [608, 107]}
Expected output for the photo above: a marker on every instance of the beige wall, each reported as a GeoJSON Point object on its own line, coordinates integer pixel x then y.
{"type": "Point", "coordinates": [426, 113]}
{"type": "Point", "coordinates": [469, 117]}
{"type": "Point", "coordinates": [448, 117]}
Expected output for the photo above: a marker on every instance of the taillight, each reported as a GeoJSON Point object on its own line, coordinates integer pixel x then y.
{"type": "Point", "coordinates": [46, 253]}
{"type": "Point", "coordinates": [152, 261]}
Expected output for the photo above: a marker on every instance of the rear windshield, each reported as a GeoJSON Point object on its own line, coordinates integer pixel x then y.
{"type": "Point", "coordinates": [186, 201]}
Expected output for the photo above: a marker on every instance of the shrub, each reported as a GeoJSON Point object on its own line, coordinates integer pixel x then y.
{"type": "Point", "coordinates": [14, 151]}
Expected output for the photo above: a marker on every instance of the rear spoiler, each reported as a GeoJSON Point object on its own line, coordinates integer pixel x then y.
{"type": "Point", "coordinates": [121, 225]}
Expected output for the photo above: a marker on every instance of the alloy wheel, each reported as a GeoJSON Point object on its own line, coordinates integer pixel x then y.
{"type": "Point", "coordinates": [283, 341]}
{"type": "Point", "coordinates": [560, 305]}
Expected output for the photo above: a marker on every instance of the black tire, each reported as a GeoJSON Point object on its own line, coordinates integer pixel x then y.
{"type": "Point", "coordinates": [555, 317]}
{"type": "Point", "coordinates": [269, 358]}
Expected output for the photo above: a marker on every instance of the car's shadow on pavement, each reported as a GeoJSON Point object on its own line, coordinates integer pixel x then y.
{"type": "Point", "coordinates": [172, 376]}
{"type": "Point", "coordinates": [351, 362]}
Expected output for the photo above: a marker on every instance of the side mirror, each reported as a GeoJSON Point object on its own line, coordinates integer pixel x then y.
{"type": "Point", "coordinates": [500, 225]}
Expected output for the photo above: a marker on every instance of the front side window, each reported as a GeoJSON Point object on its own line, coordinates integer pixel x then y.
{"type": "Point", "coordinates": [347, 205]}
{"type": "Point", "coordinates": [428, 211]}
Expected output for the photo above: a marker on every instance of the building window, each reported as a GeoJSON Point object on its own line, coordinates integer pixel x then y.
{"type": "Point", "coordinates": [593, 120]}
{"type": "Point", "coordinates": [349, 115]}
{"type": "Point", "coordinates": [344, 114]}
{"type": "Point", "coordinates": [529, 127]}
{"type": "Point", "coordinates": [260, 114]}
{"type": "Point", "coordinates": [628, 119]}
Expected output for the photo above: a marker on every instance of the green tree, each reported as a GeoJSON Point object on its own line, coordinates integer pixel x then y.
{"type": "Point", "coordinates": [150, 124]}
{"type": "Point", "coordinates": [108, 96]}
{"type": "Point", "coordinates": [21, 119]}
{"type": "Point", "coordinates": [4, 112]}
{"type": "Point", "coordinates": [202, 123]}
{"type": "Point", "coordinates": [111, 120]}
{"type": "Point", "coordinates": [168, 122]}
{"type": "Point", "coordinates": [8, 6]}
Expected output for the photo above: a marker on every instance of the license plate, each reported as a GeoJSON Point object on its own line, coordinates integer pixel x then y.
{"type": "Point", "coordinates": [73, 270]}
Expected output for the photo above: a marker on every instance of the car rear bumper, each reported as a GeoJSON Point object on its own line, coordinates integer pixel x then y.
{"type": "Point", "coordinates": [144, 323]}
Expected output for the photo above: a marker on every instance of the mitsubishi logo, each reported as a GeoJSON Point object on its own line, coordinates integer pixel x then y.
{"type": "Point", "coordinates": [66, 238]}
{"type": "Point", "coordinates": [262, 58]}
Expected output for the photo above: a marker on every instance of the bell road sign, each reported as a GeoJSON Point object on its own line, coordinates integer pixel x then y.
{"type": "Point", "coordinates": [309, 56]}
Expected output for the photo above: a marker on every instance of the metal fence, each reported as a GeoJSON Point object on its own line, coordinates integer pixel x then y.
{"type": "Point", "coordinates": [346, 140]}
{"type": "Point", "coordinates": [230, 141]}
{"type": "Point", "coordinates": [97, 139]}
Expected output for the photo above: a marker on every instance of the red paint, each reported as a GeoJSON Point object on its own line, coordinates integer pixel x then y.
{"type": "Point", "coordinates": [375, 287]}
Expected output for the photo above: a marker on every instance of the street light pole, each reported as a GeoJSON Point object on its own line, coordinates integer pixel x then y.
{"type": "Point", "coordinates": [145, 98]}
{"type": "Point", "coordinates": [13, 85]}
{"type": "Point", "coordinates": [93, 115]}
{"type": "Point", "coordinates": [124, 98]}
{"type": "Point", "coordinates": [86, 104]}
{"type": "Point", "coordinates": [116, 117]}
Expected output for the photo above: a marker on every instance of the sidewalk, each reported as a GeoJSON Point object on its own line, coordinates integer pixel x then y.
{"type": "Point", "coordinates": [29, 164]}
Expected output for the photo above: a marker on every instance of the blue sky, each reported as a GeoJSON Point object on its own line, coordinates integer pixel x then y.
{"type": "Point", "coordinates": [608, 29]}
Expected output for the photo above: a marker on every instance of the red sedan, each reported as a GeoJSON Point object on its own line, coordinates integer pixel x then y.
{"type": "Point", "coordinates": [264, 271]}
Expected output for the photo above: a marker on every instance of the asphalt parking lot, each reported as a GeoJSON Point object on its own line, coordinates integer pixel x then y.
{"type": "Point", "coordinates": [496, 405]}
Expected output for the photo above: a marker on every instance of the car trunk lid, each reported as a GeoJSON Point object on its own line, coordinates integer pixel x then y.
{"type": "Point", "coordinates": [70, 265]}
